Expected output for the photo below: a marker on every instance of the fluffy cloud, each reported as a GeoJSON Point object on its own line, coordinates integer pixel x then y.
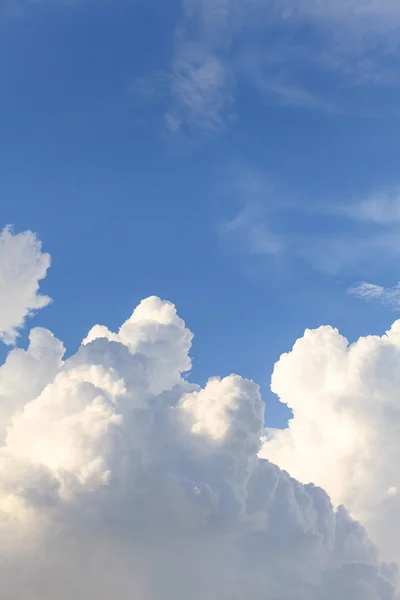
{"type": "Point", "coordinates": [120, 478]}
{"type": "Point", "coordinates": [345, 432]}
{"type": "Point", "coordinates": [22, 266]}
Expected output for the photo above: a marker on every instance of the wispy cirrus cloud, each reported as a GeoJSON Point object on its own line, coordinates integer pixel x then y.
{"type": "Point", "coordinates": [388, 296]}
{"type": "Point", "coordinates": [382, 207]}
{"type": "Point", "coordinates": [267, 43]}
{"type": "Point", "coordinates": [368, 12]}
{"type": "Point", "coordinates": [352, 237]}
{"type": "Point", "coordinates": [201, 89]}
{"type": "Point", "coordinates": [202, 77]}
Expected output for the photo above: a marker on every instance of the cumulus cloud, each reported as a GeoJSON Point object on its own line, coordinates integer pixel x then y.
{"type": "Point", "coordinates": [22, 266]}
{"type": "Point", "coordinates": [344, 435]}
{"type": "Point", "coordinates": [121, 478]}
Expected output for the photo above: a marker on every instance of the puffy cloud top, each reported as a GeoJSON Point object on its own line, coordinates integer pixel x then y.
{"type": "Point", "coordinates": [346, 427]}
{"type": "Point", "coordinates": [22, 266]}
{"type": "Point", "coordinates": [120, 478]}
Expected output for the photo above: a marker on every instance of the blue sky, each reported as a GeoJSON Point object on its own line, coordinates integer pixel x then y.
{"type": "Point", "coordinates": [237, 158]}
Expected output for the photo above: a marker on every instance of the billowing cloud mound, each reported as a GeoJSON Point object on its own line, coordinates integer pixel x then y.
{"type": "Point", "coordinates": [22, 266]}
{"type": "Point", "coordinates": [121, 479]}
{"type": "Point", "coordinates": [345, 434]}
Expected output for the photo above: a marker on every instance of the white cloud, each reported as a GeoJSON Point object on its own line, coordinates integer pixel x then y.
{"type": "Point", "coordinates": [363, 12]}
{"type": "Point", "coordinates": [345, 431]}
{"type": "Point", "coordinates": [201, 89]}
{"type": "Point", "coordinates": [120, 478]}
{"type": "Point", "coordinates": [253, 229]}
{"type": "Point", "coordinates": [222, 43]}
{"type": "Point", "coordinates": [369, 291]}
{"type": "Point", "coordinates": [39, 363]}
{"type": "Point", "coordinates": [352, 237]}
{"type": "Point", "coordinates": [203, 72]}
{"type": "Point", "coordinates": [250, 227]}
{"type": "Point", "coordinates": [381, 207]}
{"type": "Point", "coordinates": [22, 266]}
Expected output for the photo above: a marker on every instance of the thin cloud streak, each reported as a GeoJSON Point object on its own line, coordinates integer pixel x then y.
{"type": "Point", "coordinates": [344, 237]}
{"type": "Point", "coordinates": [388, 296]}
{"type": "Point", "coordinates": [219, 44]}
